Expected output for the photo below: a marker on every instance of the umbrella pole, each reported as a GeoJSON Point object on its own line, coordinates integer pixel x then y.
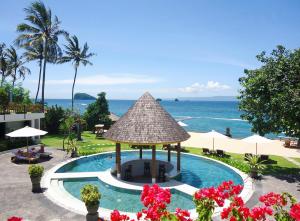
{"type": "Point", "coordinates": [256, 148]}
{"type": "Point", "coordinates": [27, 144]}
{"type": "Point", "coordinates": [213, 144]}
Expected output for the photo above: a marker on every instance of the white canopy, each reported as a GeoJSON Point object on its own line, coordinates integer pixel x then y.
{"type": "Point", "coordinates": [214, 135]}
{"type": "Point", "coordinates": [182, 124]}
{"type": "Point", "coordinates": [256, 139]}
{"type": "Point", "coordinates": [27, 132]}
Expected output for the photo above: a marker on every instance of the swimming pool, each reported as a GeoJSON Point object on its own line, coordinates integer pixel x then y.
{"type": "Point", "coordinates": [123, 199]}
{"type": "Point", "coordinates": [195, 171]}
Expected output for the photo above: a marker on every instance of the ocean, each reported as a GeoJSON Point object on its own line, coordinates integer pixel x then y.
{"type": "Point", "coordinates": [200, 116]}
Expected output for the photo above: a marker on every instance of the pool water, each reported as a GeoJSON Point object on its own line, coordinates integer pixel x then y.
{"type": "Point", "coordinates": [195, 171]}
{"type": "Point", "coordinates": [122, 199]}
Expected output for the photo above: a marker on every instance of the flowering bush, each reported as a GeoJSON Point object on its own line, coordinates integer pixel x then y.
{"type": "Point", "coordinates": [207, 199]}
{"type": "Point", "coordinates": [14, 218]}
{"type": "Point", "coordinates": [280, 207]}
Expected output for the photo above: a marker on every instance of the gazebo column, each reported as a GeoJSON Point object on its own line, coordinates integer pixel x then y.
{"type": "Point", "coordinates": [153, 164]}
{"type": "Point", "coordinates": [141, 152]}
{"type": "Point", "coordinates": [118, 160]}
{"type": "Point", "coordinates": [178, 156]}
{"type": "Point", "coordinates": [169, 153]}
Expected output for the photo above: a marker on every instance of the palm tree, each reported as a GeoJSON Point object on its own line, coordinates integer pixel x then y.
{"type": "Point", "coordinates": [74, 54]}
{"type": "Point", "coordinates": [4, 69]}
{"type": "Point", "coordinates": [42, 27]}
{"type": "Point", "coordinates": [16, 65]}
{"type": "Point", "coordinates": [36, 52]}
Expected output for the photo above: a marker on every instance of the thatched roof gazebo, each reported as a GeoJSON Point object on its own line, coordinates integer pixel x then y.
{"type": "Point", "coordinates": [146, 124]}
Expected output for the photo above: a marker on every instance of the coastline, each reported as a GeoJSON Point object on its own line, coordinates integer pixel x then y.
{"type": "Point", "coordinates": [233, 145]}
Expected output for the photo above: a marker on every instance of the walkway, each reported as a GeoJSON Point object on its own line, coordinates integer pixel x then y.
{"type": "Point", "coordinates": [17, 199]}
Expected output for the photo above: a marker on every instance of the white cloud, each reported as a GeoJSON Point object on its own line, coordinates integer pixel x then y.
{"type": "Point", "coordinates": [209, 86]}
{"type": "Point", "coordinates": [102, 79]}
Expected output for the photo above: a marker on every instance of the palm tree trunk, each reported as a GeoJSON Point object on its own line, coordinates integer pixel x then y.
{"type": "Point", "coordinates": [44, 73]}
{"type": "Point", "coordinates": [38, 89]}
{"type": "Point", "coordinates": [2, 79]}
{"type": "Point", "coordinates": [73, 87]}
{"type": "Point", "coordinates": [12, 89]}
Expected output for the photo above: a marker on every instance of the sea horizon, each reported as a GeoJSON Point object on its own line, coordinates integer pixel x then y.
{"type": "Point", "coordinates": [200, 116]}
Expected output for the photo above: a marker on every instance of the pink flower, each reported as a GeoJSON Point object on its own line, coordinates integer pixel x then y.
{"type": "Point", "coordinates": [295, 212]}
{"type": "Point", "coordinates": [14, 218]}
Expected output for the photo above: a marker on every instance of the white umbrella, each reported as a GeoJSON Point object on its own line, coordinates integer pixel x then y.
{"type": "Point", "coordinates": [256, 139]}
{"type": "Point", "coordinates": [214, 135]}
{"type": "Point", "coordinates": [27, 132]}
{"type": "Point", "coordinates": [182, 124]}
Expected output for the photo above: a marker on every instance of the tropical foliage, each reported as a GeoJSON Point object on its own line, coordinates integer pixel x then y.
{"type": "Point", "coordinates": [270, 95]}
{"type": "Point", "coordinates": [42, 28]}
{"type": "Point", "coordinates": [76, 55]}
{"type": "Point", "coordinates": [97, 112]}
{"type": "Point", "coordinates": [53, 119]}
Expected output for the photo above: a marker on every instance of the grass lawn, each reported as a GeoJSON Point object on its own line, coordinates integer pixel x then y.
{"type": "Point", "coordinates": [297, 159]}
{"type": "Point", "coordinates": [275, 166]}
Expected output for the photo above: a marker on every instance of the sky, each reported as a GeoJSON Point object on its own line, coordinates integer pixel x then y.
{"type": "Point", "coordinates": [170, 48]}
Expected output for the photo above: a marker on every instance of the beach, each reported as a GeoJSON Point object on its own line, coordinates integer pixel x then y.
{"type": "Point", "coordinates": [237, 146]}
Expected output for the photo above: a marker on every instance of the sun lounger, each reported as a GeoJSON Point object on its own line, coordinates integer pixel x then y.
{"type": "Point", "coordinates": [26, 156]}
{"type": "Point", "coordinates": [264, 157]}
{"type": "Point", "coordinates": [220, 153]}
{"type": "Point", "coordinates": [206, 151]}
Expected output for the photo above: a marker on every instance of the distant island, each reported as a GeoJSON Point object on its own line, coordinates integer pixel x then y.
{"type": "Point", "coordinates": [83, 96]}
{"type": "Point", "coordinates": [158, 99]}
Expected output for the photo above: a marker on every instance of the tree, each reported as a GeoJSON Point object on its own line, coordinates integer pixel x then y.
{"type": "Point", "coordinates": [53, 119]}
{"type": "Point", "coordinates": [76, 55]}
{"type": "Point", "coordinates": [4, 69]}
{"type": "Point", "coordinates": [270, 97]}
{"type": "Point", "coordinates": [36, 52]}
{"type": "Point", "coordinates": [16, 64]}
{"type": "Point", "coordinates": [66, 127]}
{"type": "Point", "coordinates": [42, 27]}
{"type": "Point", "coordinates": [97, 112]}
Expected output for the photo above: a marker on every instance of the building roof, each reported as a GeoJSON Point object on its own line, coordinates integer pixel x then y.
{"type": "Point", "coordinates": [146, 122]}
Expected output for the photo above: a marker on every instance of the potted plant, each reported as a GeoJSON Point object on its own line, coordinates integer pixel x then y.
{"type": "Point", "coordinates": [255, 164]}
{"type": "Point", "coordinates": [90, 195]}
{"type": "Point", "coordinates": [36, 172]}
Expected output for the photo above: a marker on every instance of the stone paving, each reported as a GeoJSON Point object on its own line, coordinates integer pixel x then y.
{"type": "Point", "coordinates": [16, 198]}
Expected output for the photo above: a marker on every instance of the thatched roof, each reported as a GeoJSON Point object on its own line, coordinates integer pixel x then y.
{"type": "Point", "coordinates": [146, 122]}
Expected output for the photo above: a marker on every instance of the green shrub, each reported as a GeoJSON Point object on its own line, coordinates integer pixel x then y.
{"type": "Point", "coordinates": [90, 195]}
{"type": "Point", "coordinates": [97, 113]}
{"type": "Point", "coordinates": [35, 170]}
{"type": "Point", "coordinates": [255, 163]}
{"type": "Point", "coordinates": [4, 98]}
{"type": "Point", "coordinates": [53, 118]}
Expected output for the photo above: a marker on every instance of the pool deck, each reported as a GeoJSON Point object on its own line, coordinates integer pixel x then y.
{"type": "Point", "coordinates": [18, 200]}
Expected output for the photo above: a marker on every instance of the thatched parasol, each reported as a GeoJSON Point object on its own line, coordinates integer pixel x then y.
{"type": "Point", "coordinates": [146, 123]}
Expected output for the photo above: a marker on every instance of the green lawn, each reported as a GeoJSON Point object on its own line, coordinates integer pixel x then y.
{"type": "Point", "coordinates": [275, 166]}
{"type": "Point", "coordinates": [297, 159]}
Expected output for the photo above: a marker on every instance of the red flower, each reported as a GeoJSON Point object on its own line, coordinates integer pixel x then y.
{"type": "Point", "coordinates": [14, 218]}
{"type": "Point", "coordinates": [295, 212]}
{"type": "Point", "coordinates": [116, 216]}
{"type": "Point", "coordinates": [183, 215]}
{"type": "Point", "coordinates": [272, 199]}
